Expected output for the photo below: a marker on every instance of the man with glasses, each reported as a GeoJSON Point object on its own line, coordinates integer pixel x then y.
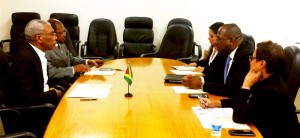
{"type": "Point", "coordinates": [61, 63]}
{"type": "Point", "coordinates": [29, 69]}
{"type": "Point", "coordinates": [233, 43]}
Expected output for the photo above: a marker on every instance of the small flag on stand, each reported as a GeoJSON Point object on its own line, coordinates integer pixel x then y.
{"type": "Point", "coordinates": [128, 78]}
{"type": "Point", "coordinates": [128, 75]}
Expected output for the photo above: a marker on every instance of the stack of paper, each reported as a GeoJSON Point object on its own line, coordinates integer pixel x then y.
{"type": "Point", "coordinates": [182, 89]}
{"type": "Point", "coordinates": [90, 91]}
{"type": "Point", "coordinates": [206, 117]}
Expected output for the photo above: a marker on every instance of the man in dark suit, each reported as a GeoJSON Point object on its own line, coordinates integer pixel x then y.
{"type": "Point", "coordinates": [233, 43]}
{"type": "Point", "coordinates": [61, 63]}
{"type": "Point", "coordinates": [29, 69]}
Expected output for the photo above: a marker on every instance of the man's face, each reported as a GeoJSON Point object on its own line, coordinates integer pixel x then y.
{"type": "Point", "coordinates": [223, 42]}
{"type": "Point", "coordinates": [48, 38]}
{"type": "Point", "coordinates": [60, 33]}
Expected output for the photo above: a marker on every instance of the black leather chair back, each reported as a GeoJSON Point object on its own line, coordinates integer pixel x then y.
{"type": "Point", "coordinates": [101, 39]}
{"type": "Point", "coordinates": [177, 42]}
{"type": "Point", "coordinates": [71, 23]}
{"type": "Point", "coordinates": [250, 40]}
{"type": "Point", "coordinates": [180, 21]}
{"type": "Point", "coordinates": [138, 36]}
{"type": "Point", "coordinates": [291, 74]}
{"type": "Point", "coordinates": [19, 21]}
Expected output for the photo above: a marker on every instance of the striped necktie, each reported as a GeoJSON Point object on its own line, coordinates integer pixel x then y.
{"type": "Point", "coordinates": [226, 68]}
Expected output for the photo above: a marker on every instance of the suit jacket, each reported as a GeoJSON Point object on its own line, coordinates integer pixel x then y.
{"type": "Point", "coordinates": [239, 68]}
{"type": "Point", "coordinates": [214, 72]}
{"type": "Point", "coordinates": [60, 63]}
{"type": "Point", "coordinates": [27, 79]}
{"type": "Point", "coordinates": [267, 105]}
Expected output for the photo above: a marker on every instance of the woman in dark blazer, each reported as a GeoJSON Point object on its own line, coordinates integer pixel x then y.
{"type": "Point", "coordinates": [263, 98]}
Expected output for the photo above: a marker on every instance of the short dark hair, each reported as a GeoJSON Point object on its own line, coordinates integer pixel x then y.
{"type": "Point", "coordinates": [215, 27]}
{"type": "Point", "coordinates": [273, 54]}
{"type": "Point", "coordinates": [54, 23]}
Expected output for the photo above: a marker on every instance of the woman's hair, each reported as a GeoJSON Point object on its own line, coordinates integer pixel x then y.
{"type": "Point", "coordinates": [215, 27]}
{"type": "Point", "coordinates": [273, 54]}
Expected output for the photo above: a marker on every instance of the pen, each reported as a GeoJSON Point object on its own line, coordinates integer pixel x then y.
{"type": "Point", "coordinates": [202, 101]}
{"type": "Point", "coordinates": [88, 99]}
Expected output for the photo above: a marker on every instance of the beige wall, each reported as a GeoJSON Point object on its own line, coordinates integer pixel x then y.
{"type": "Point", "coordinates": [276, 20]}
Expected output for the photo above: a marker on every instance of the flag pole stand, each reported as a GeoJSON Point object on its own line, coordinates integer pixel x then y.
{"type": "Point", "coordinates": [128, 94]}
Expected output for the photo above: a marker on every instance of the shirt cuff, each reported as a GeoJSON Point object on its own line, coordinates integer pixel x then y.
{"type": "Point", "coordinates": [86, 62]}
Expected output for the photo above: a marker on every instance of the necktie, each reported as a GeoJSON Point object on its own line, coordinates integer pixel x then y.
{"type": "Point", "coordinates": [58, 46]}
{"type": "Point", "coordinates": [226, 68]}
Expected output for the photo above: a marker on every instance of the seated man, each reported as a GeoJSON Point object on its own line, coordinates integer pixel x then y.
{"type": "Point", "coordinates": [29, 69]}
{"type": "Point", "coordinates": [61, 63]}
{"type": "Point", "coordinates": [237, 47]}
{"type": "Point", "coordinates": [263, 98]}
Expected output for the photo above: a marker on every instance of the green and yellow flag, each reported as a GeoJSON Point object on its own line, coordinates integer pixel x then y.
{"type": "Point", "coordinates": [128, 75]}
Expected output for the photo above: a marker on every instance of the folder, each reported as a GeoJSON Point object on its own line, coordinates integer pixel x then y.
{"type": "Point", "coordinates": [173, 78]}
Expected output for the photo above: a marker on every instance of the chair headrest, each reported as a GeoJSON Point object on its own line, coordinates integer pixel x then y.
{"type": "Point", "coordinates": [180, 21]}
{"type": "Point", "coordinates": [66, 18]}
{"type": "Point", "coordinates": [23, 18]}
{"type": "Point", "coordinates": [138, 22]}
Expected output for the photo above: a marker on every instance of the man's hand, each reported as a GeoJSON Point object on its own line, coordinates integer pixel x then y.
{"type": "Point", "coordinates": [96, 62]}
{"type": "Point", "coordinates": [194, 64]}
{"type": "Point", "coordinates": [81, 68]}
{"type": "Point", "coordinates": [199, 69]}
{"type": "Point", "coordinates": [192, 82]}
{"type": "Point", "coordinates": [59, 93]}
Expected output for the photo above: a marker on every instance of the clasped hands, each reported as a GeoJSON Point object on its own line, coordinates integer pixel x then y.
{"type": "Point", "coordinates": [192, 82]}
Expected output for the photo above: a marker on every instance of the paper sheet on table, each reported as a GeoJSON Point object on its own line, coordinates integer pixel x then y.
{"type": "Point", "coordinates": [182, 89]}
{"type": "Point", "coordinates": [98, 72]}
{"type": "Point", "coordinates": [206, 117]}
{"type": "Point", "coordinates": [184, 68]}
{"type": "Point", "coordinates": [90, 91]}
{"type": "Point", "coordinates": [184, 72]}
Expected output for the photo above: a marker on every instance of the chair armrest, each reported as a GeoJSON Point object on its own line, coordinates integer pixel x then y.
{"type": "Point", "coordinates": [77, 45]}
{"type": "Point", "coordinates": [121, 49]}
{"type": "Point", "coordinates": [297, 111]}
{"type": "Point", "coordinates": [116, 51]}
{"type": "Point", "coordinates": [4, 41]}
{"type": "Point", "coordinates": [20, 135]}
{"type": "Point", "coordinates": [185, 59]}
{"type": "Point", "coordinates": [82, 50]}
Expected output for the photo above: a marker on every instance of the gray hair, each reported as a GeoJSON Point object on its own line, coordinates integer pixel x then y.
{"type": "Point", "coordinates": [33, 28]}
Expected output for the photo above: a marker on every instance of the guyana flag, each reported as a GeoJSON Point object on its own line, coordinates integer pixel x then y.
{"type": "Point", "coordinates": [128, 75]}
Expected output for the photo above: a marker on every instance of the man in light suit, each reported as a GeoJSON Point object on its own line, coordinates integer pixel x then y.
{"type": "Point", "coordinates": [61, 63]}
{"type": "Point", "coordinates": [233, 43]}
{"type": "Point", "coordinates": [29, 69]}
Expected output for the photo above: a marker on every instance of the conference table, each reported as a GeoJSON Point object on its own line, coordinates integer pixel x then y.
{"type": "Point", "coordinates": [155, 110]}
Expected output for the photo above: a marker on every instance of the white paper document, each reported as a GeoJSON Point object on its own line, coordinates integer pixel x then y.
{"type": "Point", "coordinates": [182, 89]}
{"type": "Point", "coordinates": [184, 68]}
{"type": "Point", "coordinates": [206, 117]}
{"type": "Point", "coordinates": [184, 72]}
{"type": "Point", "coordinates": [98, 72]}
{"type": "Point", "coordinates": [90, 91]}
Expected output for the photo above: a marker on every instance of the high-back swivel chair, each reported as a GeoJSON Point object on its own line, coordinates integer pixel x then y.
{"type": "Point", "coordinates": [17, 40]}
{"type": "Point", "coordinates": [101, 41]}
{"type": "Point", "coordinates": [138, 37]}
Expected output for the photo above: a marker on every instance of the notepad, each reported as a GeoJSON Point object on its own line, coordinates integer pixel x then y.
{"type": "Point", "coordinates": [173, 78]}
{"type": "Point", "coordinates": [206, 117]}
{"type": "Point", "coordinates": [184, 68]}
{"type": "Point", "coordinates": [182, 89]}
{"type": "Point", "coordinates": [90, 91]}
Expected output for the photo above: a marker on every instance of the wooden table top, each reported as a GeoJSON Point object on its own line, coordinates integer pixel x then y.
{"type": "Point", "coordinates": [155, 110]}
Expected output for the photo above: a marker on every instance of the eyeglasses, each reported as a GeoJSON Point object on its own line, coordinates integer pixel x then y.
{"type": "Point", "coordinates": [63, 33]}
{"type": "Point", "coordinates": [251, 58]}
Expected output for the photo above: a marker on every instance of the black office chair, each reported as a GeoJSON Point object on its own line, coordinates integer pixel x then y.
{"type": "Point", "coordinates": [101, 41]}
{"type": "Point", "coordinates": [291, 74]}
{"type": "Point", "coordinates": [17, 40]}
{"type": "Point", "coordinates": [138, 37]}
{"type": "Point", "coordinates": [197, 53]}
{"type": "Point", "coordinates": [26, 118]}
{"type": "Point", "coordinates": [70, 22]}
{"type": "Point", "coordinates": [177, 44]}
